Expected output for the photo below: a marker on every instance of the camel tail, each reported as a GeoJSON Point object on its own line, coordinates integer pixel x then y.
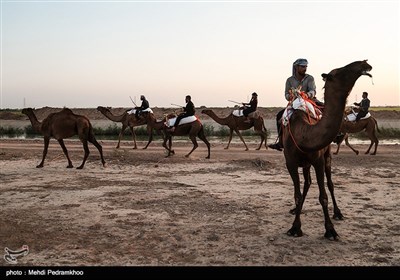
{"type": "Point", "coordinates": [263, 125]}
{"type": "Point", "coordinates": [376, 125]}
{"type": "Point", "coordinates": [91, 135]}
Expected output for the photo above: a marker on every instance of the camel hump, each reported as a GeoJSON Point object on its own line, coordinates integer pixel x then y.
{"type": "Point", "coordinates": [67, 111]}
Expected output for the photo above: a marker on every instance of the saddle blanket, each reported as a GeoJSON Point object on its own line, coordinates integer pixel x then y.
{"type": "Point", "coordinates": [300, 104]}
{"type": "Point", "coordinates": [171, 122]}
{"type": "Point", "coordinates": [133, 111]}
{"type": "Point", "coordinates": [352, 117]}
{"type": "Point", "coordinates": [239, 113]}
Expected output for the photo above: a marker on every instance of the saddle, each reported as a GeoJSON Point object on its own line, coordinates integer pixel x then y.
{"type": "Point", "coordinates": [352, 117]}
{"type": "Point", "coordinates": [133, 111]}
{"type": "Point", "coordinates": [239, 113]}
{"type": "Point", "coordinates": [302, 102]}
{"type": "Point", "coordinates": [171, 119]}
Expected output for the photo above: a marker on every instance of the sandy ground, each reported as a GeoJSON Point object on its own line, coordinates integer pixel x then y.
{"type": "Point", "coordinates": [143, 209]}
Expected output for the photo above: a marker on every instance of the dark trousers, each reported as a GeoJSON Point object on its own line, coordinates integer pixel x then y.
{"type": "Point", "coordinates": [247, 111]}
{"type": "Point", "coordinates": [361, 114]}
{"type": "Point", "coordinates": [279, 122]}
{"type": "Point", "coordinates": [179, 117]}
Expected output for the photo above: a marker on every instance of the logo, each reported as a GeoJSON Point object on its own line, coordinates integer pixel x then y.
{"type": "Point", "coordinates": [11, 256]}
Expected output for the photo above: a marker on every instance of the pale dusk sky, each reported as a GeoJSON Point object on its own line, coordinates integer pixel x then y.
{"type": "Point", "coordinates": [82, 54]}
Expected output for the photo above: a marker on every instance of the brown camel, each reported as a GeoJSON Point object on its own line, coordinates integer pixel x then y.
{"type": "Point", "coordinates": [61, 125]}
{"type": "Point", "coordinates": [152, 124]}
{"type": "Point", "coordinates": [193, 129]}
{"type": "Point", "coordinates": [127, 120]}
{"type": "Point", "coordinates": [308, 144]}
{"type": "Point", "coordinates": [237, 123]}
{"type": "Point", "coordinates": [368, 125]}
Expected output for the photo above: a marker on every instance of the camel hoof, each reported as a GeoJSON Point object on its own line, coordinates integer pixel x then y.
{"type": "Point", "coordinates": [186, 156]}
{"type": "Point", "coordinates": [357, 152]}
{"type": "Point", "coordinates": [331, 235]}
{"type": "Point", "coordinates": [372, 154]}
{"type": "Point", "coordinates": [39, 166]}
{"type": "Point", "coordinates": [335, 153]}
{"type": "Point", "coordinates": [226, 148]}
{"type": "Point", "coordinates": [208, 157]}
{"type": "Point", "coordinates": [296, 232]}
{"type": "Point", "coordinates": [293, 211]}
{"type": "Point", "coordinates": [338, 216]}
{"type": "Point", "coordinates": [70, 166]}
{"type": "Point", "coordinates": [134, 148]}
{"type": "Point", "coordinates": [79, 167]}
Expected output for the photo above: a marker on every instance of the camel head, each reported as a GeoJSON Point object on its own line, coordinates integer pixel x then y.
{"type": "Point", "coordinates": [345, 77]}
{"type": "Point", "coordinates": [27, 111]}
{"type": "Point", "coordinates": [206, 111]}
{"type": "Point", "coordinates": [103, 109]}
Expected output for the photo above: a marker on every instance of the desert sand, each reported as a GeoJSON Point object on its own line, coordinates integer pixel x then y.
{"type": "Point", "coordinates": [144, 209]}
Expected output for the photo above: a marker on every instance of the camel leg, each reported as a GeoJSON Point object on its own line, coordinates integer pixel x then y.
{"type": "Point", "coordinates": [338, 146]}
{"type": "Point", "coordinates": [202, 136]}
{"type": "Point", "coordinates": [376, 146]}
{"type": "Point", "coordinates": [346, 139]}
{"type": "Point", "coordinates": [98, 146]}
{"type": "Point", "coordinates": [120, 135]}
{"type": "Point", "coordinates": [195, 145]}
{"type": "Point", "coordinates": [263, 139]}
{"type": "Point", "coordinates": [46, 146]}
{"type": "Point", "coordinates": [150, 133]}
{"type": "Point", "coordinates": [319, 167]}
{"type": "Point", "coordinates": [241, 138]}
{"type": "Point", "coordinates": [337, 214]}
{"type": "Point", "coordinates": [61, 142]}
{"type": "Point", "coordinates": [133, 137]}
{"type": "Point", "coordinates": [295, 230]}
{"type": "Point", "coordinates": [306, 187]}
{"type": "Point", "coordinates": [86, 148]}
{"type": "Point", "coordinates": [168, 148]}
{"type": "Point", "coordinates": [230, 138]}
{"type": "Point", "coordinates": [373, 139]}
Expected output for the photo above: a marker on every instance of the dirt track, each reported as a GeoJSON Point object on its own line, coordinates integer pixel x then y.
{"type": "Point", "coordinates": [145, 209]}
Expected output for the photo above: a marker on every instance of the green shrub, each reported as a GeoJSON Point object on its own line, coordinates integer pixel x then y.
{"type": "Point", "coordinates": [12, 131]}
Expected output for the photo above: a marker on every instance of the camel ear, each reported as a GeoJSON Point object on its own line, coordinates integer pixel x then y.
{"type": "Point", "coordinates": [326, 77]}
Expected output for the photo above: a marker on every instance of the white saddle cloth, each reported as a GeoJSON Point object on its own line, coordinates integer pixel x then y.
{"type": "Point", "coordinates": [352, 117]}
{"type": "Point", "coordinates": [171, 122]}
{"type": "Point", "coordinates": [299, 104]}
{"type": "Point", "coordinates": [133, 111]}
{"type": "Point", "coordinates": [238, 113]}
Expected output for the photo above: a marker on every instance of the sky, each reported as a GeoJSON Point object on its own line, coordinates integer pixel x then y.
{"type": "Point", "coordinates": [84, 54]}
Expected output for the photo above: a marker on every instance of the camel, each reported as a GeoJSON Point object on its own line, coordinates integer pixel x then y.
{"type": "Point", "coordinates": [237, 123]}
{"type": "Point", "coordinates": [369, 125]}
{"type": "Point", "coordinates": [61, 125]}
{"type": "Point", "coordinates": [126, 119]}
{"type": "Point", "coordinates": [308, 144]}
{"type": "Point", "coordinates": [193, 129]}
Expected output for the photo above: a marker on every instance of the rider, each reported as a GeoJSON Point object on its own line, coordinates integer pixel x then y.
{"type": "Point", "coordinates": [250, 107]}
{"type": "Point", "coordinates": [145, 105]}
{"type": "Point", "coordinates": [364, 106]}
{"type": "Point", "coordinates": [188, 111]}
{"type": "Point", "coordinates": [298, 78]}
